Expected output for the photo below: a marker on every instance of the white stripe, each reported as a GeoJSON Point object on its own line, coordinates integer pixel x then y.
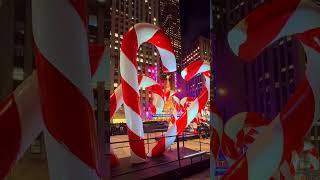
{"type": "Point", "coordinates": [312, 73]}
{"type": "Point", "coordinates": [172, 132]}
{"type": "Point", "coordinates": [237, 36]}
{"type": "Point", "coordinates": [203, 68]}
{"type": "Point", "coordinates": [192, 110]}
{"type": "Point", "coordinates": [134, 121]}
{"type": "Point", "coordinates": [119, 97]}
{"type": "Point", "coordinates": [168, 59]}
{"type": "Point", "coordinates": [145, 31]}
{"type": "Point", "coordinates": [268, 144]}
{"type": "Point", "coordinates": [129, 72]}
{"type": "Point", "coordinates": [158, 102]}
{"type": "Point", "coordinates": [235, 124]}
{"type": "Point", "coordinates": [71, 167]}
{"type": "Point", "coordinates": [306, 12]}
{"type": "Point", "coordinates": [31, 119]}
{"type": "Point", "coordinates": [285, 170]}
{"type": "Point", "coordinates": [146, 82]}
{"type": "Point", "coordinates": [314, 161]}
{"type": "Point", "coordinates": [217, 123]}
{"type": "Point", "coordinates": [60, 35]}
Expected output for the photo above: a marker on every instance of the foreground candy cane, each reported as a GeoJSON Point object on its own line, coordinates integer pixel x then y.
{"type": "Point", "coordinates": [59, 29]}
{"type": "Point", "coordinates": [195, 68]}
{"type": "Point", "coordinates": [116, 98]}
{"type": "Point", "coordinates": [20, 122]}
{"type": "Point", "coordinates": [30, 117]}
{"type": "Point", "coordinates": [216, 126]}
{"type": "Point", "coordinates": [138, 34]}
{"type": "Point", "coordinates": [292, 17]}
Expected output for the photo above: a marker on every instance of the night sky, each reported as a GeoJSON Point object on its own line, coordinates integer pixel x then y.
{"type": "Point", "coordinates": [195, 20]}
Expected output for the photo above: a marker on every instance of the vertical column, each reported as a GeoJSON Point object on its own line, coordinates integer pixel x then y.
{"type": "Point", "coordinates": [101, 125]}
{"type": "Point", "coordinates": [28, 41]}
{"type": "Point", "coordinates": [6, 47]}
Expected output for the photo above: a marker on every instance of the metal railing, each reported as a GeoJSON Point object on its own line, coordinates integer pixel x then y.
{"type": "Point", "coordinates": [188, 140]}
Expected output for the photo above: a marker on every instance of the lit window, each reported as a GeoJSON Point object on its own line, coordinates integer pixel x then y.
{"type": "Point", "coordinates": [116, 34]}
{"type": "Point", "coordinates": [155, 53]}
{"type": "Point", "coordinates": [115, 84]}
{"type": "Point", "coordinates": [154, 19]}
{"type": "Point", "coordinates": [115, 47]}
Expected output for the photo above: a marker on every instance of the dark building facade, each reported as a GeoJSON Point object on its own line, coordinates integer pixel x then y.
{"type": "Point", "coordinates": [268, 81]}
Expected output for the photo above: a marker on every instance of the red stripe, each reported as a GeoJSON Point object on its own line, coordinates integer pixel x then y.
{"type": "Point", "coordinates": [113, 104]}
{"type": "Point", "coordinates": [182, 122]}
{"type": "Point", "coordinates": [229, 147]}
{"type": "Point", "coordinates": [264, 24]}
{"type": "Point", "coordinates": [255, 120]}
{"type": "Point", "coordinates": [203, 98]}
{"type": "Point", "coordinates": [159, 148]}
{"type": "Point", "coordinates": [239, 170]}
{"type": "Point", "coordinates": [157, 89]}
{"type": "Point", "coordinates": [215, 143]}
{"type": "Point", "coordinates": [192, 69]}
{"type": "Point", "coordinates": [130, 97]}
{"type": "Point", "coordinates": [130, 47]}
{"type": "Point", "coordinates": [300, 106]}
{"type": "Point", "coordinates": [308, 38]}
{"type": "Point", "coordinates": [10, 135]}
{"type": "Point", "coordinates": [68, 115]}
{"type": "Point", "coordinates": [160, 39]}
{"type": "Point", "coordinates": [136, 144]}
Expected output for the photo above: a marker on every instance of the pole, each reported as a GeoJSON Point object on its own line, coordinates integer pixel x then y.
{"type": "Point", "coordinates": [178, 149]}
{"type": "Point", "coordinates": [103, 131]}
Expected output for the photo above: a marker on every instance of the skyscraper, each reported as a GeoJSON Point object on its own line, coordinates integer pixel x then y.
{"type": "Point", "coordinates": [124, 14]}
{"type": "Point", "coordinates": [170, 23]}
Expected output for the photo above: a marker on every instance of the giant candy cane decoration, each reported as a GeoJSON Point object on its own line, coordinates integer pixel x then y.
{"type": "Point", "coordinates": [59, 29]}
{"type": "Point", "coordinates": [116, 98]}
{"type": "Point", "coordinates": [20, 122]}
{"type": "Point", "coordinates": [195, 68]}
{"type": "Point", "coordinates": [137, 35]}
{"type": "Point", "coordinates": [300, 18]}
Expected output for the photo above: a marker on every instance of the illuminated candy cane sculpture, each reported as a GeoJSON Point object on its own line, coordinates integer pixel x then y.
{"type": "Point", "coordinates": [116, 98]}
{"type": "Point", "coordinates": [30, 124]}
{"type": "Point", "coordinates": [195, 68]}
{"type": "Point", "coordinates": [59, 29]}
{"type": "Point", "coordinates": [137, 35]}
{"type": "Point", "coordinates": [20, 123]}
{"type": "Point", "coordinates": [265, 25]}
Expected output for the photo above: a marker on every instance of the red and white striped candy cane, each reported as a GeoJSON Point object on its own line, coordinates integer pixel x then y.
{"type": "Point", "coordinates": [30, 124]}
{"type": "Point", "coordinates": [291, 17]}
{"type": "Point", "coordinates": [234, 128]}
{"type": "Point", "coordinates": [195, 68]}
{"type": "Point", "coordinates": [137, 35]}
{"type": "Point", "coordinates": [20, 122]}
{"type": "Point", "coordinates": [59, 29]}
{"type": "Point", "coordinates": [116, 98]}
{"type": "Point", "coordinates": [216, 126]}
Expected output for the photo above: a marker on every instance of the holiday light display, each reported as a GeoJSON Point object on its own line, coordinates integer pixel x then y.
{"type": "Point", "coordinates": [71, 107]}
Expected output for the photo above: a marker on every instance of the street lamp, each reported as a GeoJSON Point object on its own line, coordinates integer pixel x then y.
{"type": "Point", "coordinates": [222, 91]}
